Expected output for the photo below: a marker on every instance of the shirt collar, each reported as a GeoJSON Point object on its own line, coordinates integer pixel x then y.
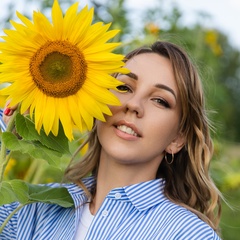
{"type": "Point", "coordinates": [146, 194]}
{"type": "Point", "coordinates": [143, 195]}
{"type": "Point", "coordinates": [78, 194]}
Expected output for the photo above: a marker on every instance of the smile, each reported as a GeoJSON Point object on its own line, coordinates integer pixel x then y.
{"type": "Point", "coordinates": [127, 130]}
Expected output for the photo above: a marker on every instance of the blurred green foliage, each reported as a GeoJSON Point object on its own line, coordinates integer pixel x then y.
{"type": "Point", "coordinates": [219, 65]}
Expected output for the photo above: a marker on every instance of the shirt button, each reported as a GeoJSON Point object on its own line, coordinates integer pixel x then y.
{"type": "Point", "coordinates": [104, 213]}
{"type": "Point", "coordinates": [118, 195]}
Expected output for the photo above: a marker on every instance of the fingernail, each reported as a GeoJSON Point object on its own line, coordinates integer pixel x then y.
{"type": "Point", "coordinates": [7, 111]}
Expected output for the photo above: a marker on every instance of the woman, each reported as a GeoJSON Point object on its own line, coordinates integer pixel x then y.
{"type": "Point", "coordinates": [148, 163]}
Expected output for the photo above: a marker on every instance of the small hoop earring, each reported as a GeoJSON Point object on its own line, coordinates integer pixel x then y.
{"type": "Point", "coordinates": [166, 159]}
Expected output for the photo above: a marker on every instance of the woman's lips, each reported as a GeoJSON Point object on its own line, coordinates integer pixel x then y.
{"type": "Point", "coordinates": [128, 128]}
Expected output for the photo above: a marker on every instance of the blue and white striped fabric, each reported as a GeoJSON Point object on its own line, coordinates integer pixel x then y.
{"type": "Point", "coordinates": [2, 124]}
{"type": "Point", "coordinates": [136, 212]}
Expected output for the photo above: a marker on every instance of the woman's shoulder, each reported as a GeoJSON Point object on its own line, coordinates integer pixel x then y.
{"type": "Point", "coordinates": [76, 189]}
{"type": "Point", "coordinates": [72, 188]}
{"type": "Point", "coordinates": [185, 224]}
{"type": "Point", "coordinates": [34, 219]}
{"type": "Point", "coordinates": [39, 214]}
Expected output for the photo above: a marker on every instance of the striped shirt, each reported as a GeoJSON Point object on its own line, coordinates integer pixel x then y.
{"type": "Point", "coordinates": [3, 128]}
{"type": "Point", "coordinates": [2, 124]}
{"type": "Point", "coordinates": [135, 212]}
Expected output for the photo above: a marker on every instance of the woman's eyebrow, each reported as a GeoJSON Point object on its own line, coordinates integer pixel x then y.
{"type": "Point", "coordinates": [131, 75]}
{"type": "Point", "coordinates": [162, 86]}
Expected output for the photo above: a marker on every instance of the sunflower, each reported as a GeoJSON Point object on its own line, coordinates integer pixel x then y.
{"type": "Point", "coordinates": [61, 70]}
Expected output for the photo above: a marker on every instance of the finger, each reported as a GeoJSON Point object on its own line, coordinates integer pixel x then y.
{"type": "Point", "coordinates": [8, 110]}
{"type": "Point", "coordinates": [8, 105]}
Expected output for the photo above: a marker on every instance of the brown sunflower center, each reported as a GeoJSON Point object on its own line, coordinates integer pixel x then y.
{"type": "Point", "coordinates": [58, 69]}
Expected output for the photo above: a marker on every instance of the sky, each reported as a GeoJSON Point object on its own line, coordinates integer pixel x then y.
{"type": "Point", "coordinates": [225, 14]}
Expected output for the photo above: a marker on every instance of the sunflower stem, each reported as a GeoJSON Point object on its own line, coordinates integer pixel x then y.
{"type": "Point", "coordinates": [34, 173]}
{"type": "Point", "coordinates": [11, 214]}
{"type": "Point", "coordinates": [4, 158]}
{"type": "Point", "coordinates": [31, 170]}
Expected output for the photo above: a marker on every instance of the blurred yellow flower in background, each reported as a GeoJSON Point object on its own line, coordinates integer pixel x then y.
{"type": "Point", "coordinates": [61, 71]}
{"type": "Point", "coordinates": [211, 39]}
{"type": "Point", "coordinates": [152, 28]}
{"type": "Point", "coordinates": [12, 162]}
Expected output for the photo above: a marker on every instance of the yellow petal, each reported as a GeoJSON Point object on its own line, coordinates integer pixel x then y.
{"type": "Point", "coordinates": [43, 26]}
{"type": "Point", "coordinates": [86, 117]}
{"type": "Point", "coordinates": [70, 19]}
{"type": "Point", "coordinates": [49, 114]}
{"type": "Point", "coordinates": [55, 126]}
{"type": "Point", "coordinates": [65, 119]}
{"type": "Point", "coordinates": [101, 48]}
{"type": "Point", "coordinates": [27, 102]}
{"type": "Point", "coordinates": [57, 19]}
{"type": "Point", "coordinates": [84, 21]}
{"type": "Point", "coordinates": [89, 105]}
{"type": "Point", "coordinates": [104, 108]}
{"type": "Point", "coordinates": [103, 80]}
{"type": "Point", "coordinates": [25, 20]}
{"type": "Point", "coordinates": [101, 94]}
{"type": "Point", "coordinates": [39, 111]}
{"type": "Point", "coordinates": [73, 109]}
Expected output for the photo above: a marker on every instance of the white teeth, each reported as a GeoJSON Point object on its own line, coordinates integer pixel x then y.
{"type": "Point", "coordinates": [126, 129]}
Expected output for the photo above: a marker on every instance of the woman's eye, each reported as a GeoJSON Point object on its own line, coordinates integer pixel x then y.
{"type": "Point", "coordinates": [123, 88]}
{"type": "Point", "coordinates": [162, 102]}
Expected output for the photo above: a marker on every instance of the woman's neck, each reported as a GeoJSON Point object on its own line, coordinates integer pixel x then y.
{"type": "Point", "coordinates": [112, 175]}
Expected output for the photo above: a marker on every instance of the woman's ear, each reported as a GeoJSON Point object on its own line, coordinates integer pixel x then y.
{"type": "Point", "coordinates": [177, 144]}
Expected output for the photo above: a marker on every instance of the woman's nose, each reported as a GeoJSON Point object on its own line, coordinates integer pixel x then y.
{"type": "Point", "coordinates": [134, 105]}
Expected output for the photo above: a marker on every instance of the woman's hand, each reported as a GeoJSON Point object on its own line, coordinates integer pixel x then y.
{"type": "Point", "coordinates": [8, 111]}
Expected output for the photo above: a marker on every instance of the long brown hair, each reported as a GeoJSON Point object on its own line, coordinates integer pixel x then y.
{"type": "Point", "coordinates": [188, 182]}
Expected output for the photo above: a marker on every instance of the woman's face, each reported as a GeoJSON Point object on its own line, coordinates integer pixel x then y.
{"type": "Point", "coordinates": [147, 123]}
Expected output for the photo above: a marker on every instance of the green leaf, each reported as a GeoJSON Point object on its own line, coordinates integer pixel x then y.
{"type": "Point", "coordinates": [7, 195]}
{"type": "Point", "coordinates": [24, 193]}
{"type": "Point", "coordinates": [26, 129]}
{"type": "Point", "coordinates": [34, 149]}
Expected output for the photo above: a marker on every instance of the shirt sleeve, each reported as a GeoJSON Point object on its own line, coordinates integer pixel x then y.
{"type": "Point", "coordinates": [2, 123]}
{"type": "Point", "coordinates": [3, 127]}
{"type": "Point", "coordinates": [10, 230]}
